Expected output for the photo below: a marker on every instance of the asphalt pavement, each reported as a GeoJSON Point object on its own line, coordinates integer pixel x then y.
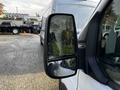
{"type": "Point", "coordinates": [21, 64]}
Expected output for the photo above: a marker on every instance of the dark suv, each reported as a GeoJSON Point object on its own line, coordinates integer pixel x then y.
{"type": "Point", "coordinates": [5, 24]}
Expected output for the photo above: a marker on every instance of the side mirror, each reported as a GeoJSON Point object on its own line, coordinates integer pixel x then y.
{"type": "Point", "coordinates": [60, 46]}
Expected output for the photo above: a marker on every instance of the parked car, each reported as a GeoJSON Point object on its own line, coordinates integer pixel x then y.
{"type": "Point", "coordinates": [5, 24]}
{"type": "Point", "coordinates": [7, 27]}
{"type": "Point", "coordinates": [36, 29]}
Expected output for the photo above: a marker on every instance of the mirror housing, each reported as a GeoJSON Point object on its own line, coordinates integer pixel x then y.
{"type": "Point", "coordinates": [60, 46]}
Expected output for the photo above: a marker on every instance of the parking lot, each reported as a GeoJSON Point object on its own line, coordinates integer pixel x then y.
{"type": "Point", "coordinates": [21, 64]}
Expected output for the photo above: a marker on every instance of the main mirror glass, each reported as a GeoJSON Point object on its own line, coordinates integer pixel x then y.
{"type": "Point", "coordinates": [61, 36]}
{"type": "Point", "coordinates": [61, 46]}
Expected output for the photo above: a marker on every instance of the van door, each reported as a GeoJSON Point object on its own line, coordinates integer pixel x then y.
{"type": "Point", "coordinates": [109, 44]}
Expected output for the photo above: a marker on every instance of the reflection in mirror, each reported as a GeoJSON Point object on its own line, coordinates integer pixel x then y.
{"type": "Point", "coordinates": [62, 68]}
{"type": "Point", "coordinates": [61, 36]}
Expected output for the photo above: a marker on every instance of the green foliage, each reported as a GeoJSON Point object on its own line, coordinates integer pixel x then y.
{"type": "Point", "coordinates": [54, 49]}
{"type": "Point", "coordinates": [67, 50]}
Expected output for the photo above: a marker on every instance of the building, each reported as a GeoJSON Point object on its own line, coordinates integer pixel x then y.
{"type": "Point", "coordinates": [16, 15]}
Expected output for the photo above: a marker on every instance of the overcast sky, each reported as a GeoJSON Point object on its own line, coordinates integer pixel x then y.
{"type": "Point", "coordinates": [26, 6]}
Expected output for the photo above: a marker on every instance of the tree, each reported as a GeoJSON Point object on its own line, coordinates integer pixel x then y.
{"type": "Point", "coordinates": [1, 8]}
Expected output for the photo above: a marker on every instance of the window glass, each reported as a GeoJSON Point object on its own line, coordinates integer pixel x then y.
{"type": "Point", "coordinates": [110, 41]}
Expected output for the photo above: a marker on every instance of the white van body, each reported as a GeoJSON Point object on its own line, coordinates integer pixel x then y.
{"type": "Point", "coordinates": [81, 9]}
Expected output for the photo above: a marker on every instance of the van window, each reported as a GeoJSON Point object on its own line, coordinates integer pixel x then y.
{"type": "Point", "coordinates": [110, 42]}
